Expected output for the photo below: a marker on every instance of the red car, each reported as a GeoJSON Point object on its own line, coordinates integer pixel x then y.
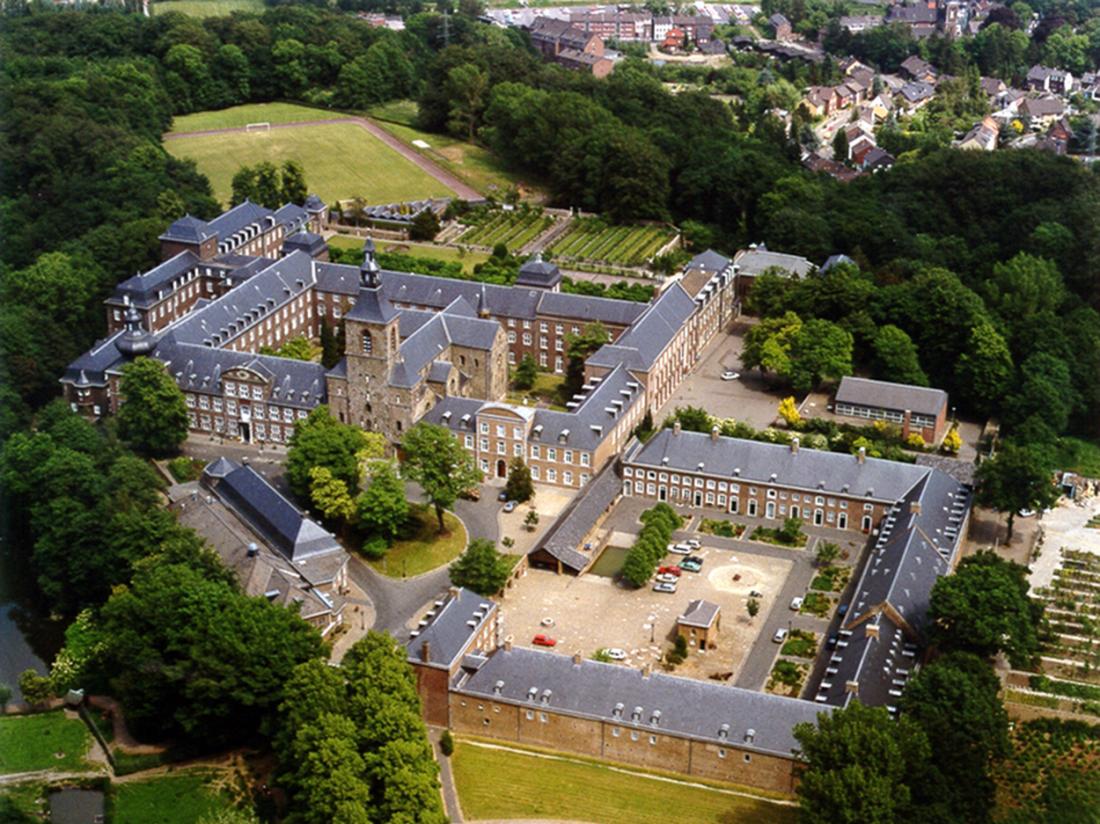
{"type": "Point", "coordinates": [541, 640]}
{"type": "Point", "coordinates": [670, 570]}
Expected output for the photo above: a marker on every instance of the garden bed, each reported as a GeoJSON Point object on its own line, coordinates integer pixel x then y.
{"type": "Point", "coordinates": [832, 579]}
{"type": "Point", "coordinates": [817, 604]}
{"type": "Point", "coordinates": [721, 528]}
{"type": "Point", "coordinates": [787, 678]}
{"type": "Point", "coordinates": [768, 535]}
{"type": "Point", "coordinates": [801, 644]}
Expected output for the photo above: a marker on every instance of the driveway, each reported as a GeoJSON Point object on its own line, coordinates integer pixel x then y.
{"type": "Point", "coordinates": [746, 399]}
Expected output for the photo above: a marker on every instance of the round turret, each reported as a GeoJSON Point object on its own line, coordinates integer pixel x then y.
{"type": "Point", "coordinates": [135, 340]}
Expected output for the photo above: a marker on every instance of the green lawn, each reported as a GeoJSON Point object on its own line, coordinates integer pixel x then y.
{"type": "Point", "coordinates": [44, 741]}
{"type": "Point", "coordinates": [341, 160]}
{"type": "Point", "coordinates": [208, 8]}
{"type": "Point", "coordinates": [447, 254]}
{"type": "Point", "coordinates": [474, 165]}
{"type": "Point", "coordinates": [237, 116]}
{"type": "Point", "coordinates": [178, 798]}
{"type": "Point", "coordinates": [498, 784]}
{"type": "Point", "coordinates": [424, 549]}
{"type": "Point", "coordinates": [1079, 456]}
{"type": "Point", "coordinates": [547, 388]}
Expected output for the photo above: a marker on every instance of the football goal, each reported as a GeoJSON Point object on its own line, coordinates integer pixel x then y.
{"type": "Point", "coordinates": [258, 127]}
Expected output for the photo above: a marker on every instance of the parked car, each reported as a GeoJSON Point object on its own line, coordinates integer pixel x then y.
{"type": "Point", "coordinates": [666, 578]}
{"type": "Point", "coordinates": [842, 610]}
{"type": "Point", "coordinates": [510, 506]}
{"type": "Point", "coordinates": [780, 635]}
{"type": "Point", "coordinates": [670, 570]}
{"type": "Point", "coordinates": [831, 643]}
{"type": "Point", "coordinates": [694, 543]}
{"type": "Point", "coordinates": [502, 496]}
{"type": "Point", "coordinates": [796, 603]}
{"type": "Point", "coordinates": [471, 494]}
{"type": "Point", "coordinates": [1026, 513]}
{"type": "Point", "coordinates": [541, 640]}
{"type": "Point", "coordinates": [730, 375]}
{"type": "Point", "coordinates": [662, 587]}
{"type": "Point", "coordinates": [755, 593]}
{"type": "Point", "coordinates": [680, 549]}
{"type": "Point", "coordinates": [691, 565]}
{"type": "Point", "coordinates": [616, 654]}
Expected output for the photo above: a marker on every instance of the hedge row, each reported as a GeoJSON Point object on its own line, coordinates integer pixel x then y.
{"type": "Point", "coordinates": [651, 546]}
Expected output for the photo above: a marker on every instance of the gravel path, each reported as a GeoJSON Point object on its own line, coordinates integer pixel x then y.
{"type": "Point", "coordinates": [433, 169]}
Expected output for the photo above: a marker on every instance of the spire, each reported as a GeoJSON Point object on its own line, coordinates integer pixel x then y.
{"type": "Point", "coordinates": [368, 270]}
{"type": "Point", "coordinates": [482, 303]}
{"type": "Point", "coordinates": [134, 340]}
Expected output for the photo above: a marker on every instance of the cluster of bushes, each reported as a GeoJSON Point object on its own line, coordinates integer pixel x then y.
{"type": "Point", "coordinates": [678, 654]}
{"type": "Point", "coordinates": [790, 534]}
{"type": "Point", "coordinates": [658, 524]}
{"type": "Point", "coordinates": [1067, 688]}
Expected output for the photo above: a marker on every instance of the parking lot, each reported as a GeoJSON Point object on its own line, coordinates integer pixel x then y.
{"type": "Point", "coordinates": [591, 612]}
{"type": "Point", "coordinates": [748, 398]}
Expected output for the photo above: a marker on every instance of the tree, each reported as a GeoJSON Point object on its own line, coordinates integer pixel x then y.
{"type": "Point", "coordinates": [984, 370]}
{"type": "Point", "coordinates": [36, 688]}
{"type": "Point", "coordinates": [691, 419]}
{"type": "Point", "coordinates": [984, 608]}
{"type": "Point", "coordinates": [788, 411]}
{"type": "Point", "coordinates": [840, 146]}
{"type": "Point", "coordinates": [5, 696]}
{"type": "Point", "coordinates": [896, 357]}
{"type": "Point", "coordinates": [819, 350]}
{"type": "Point", "coordinates": [955, 701]}
{"type": "Point", "coordinates": [577, 350]}
{"type": "Point", "coordinates": [526, 373]}
{"type": "Point", "coordinates": [791, 530]}
{"type": "Point", "coordinates": [531, 521]}
{"type": "Point", "coordinates": [330, 350]}
{"type": "Point", "coordinates": [827, 552]}
{"type": "Point", "coordinates": [862, 766]}
{"type": "Point", "coordinates": [383, 508]}
{"type": "Point", "coordinates": [752, 607]}
{"type": "Point", "coordinates": [329, 495]}
{"type": "Point", "coordinates": [425, 226]}
{"type": "Point", "coordinates": [1017, 477]}
{"type": "Point", "coordinates": [768, 343]}
{"type": "Point", "coordinates": [467, 86]}
{"type": "Point", "coordinates": [321, 440]}
{"type": "Point", "coordinates": [519, 487]}
{"type": "Point", "coordinates": [294, 188]}
{"type": "Point", "coordinates": [153, 416]}
{"type": "Point", "coordinates": [440, 464]}
{"type": "Point", "coordinates": [481, 568]}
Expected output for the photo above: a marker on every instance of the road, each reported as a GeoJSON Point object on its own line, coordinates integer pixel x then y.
{"type": "Point", "coordinates": [440, 174]}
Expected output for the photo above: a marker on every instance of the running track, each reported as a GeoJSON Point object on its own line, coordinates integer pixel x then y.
{"type": "Point", "coordinates": [440, 174]}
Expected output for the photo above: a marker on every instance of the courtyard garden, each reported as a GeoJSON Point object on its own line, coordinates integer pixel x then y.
{"type": "Point", "coordinates": [816, 603]}
{"type": "Point", "coordinates": [787, 678]}
{"type": "Point", "coordinates": [721, 528]}
{"type": "Point", "coordinates": [43, 741]}
{"type": "Point", "coordinates": [593, 240]}
{"type": "Point", "coordinates": [421, 547]}
{"type": "Point", "coordinates": [831, 579]}
{"type": "Point", "coordinates": [801, 644]}
{"type": "Point", "coordinates": [788, 535]}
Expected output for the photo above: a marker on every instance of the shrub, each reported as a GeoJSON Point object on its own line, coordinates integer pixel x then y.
{"type": "Point", "coordinates": [681, 645]}
{"type": "Point", "coordinates": [375, 548]}
{"type": "Point", "coordinates": [447, 743]}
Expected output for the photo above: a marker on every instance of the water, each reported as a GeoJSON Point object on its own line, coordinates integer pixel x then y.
{"type": "Point", "coordinates": [28, 638]}
{"type": "Point", "coordinates": [610, 562]}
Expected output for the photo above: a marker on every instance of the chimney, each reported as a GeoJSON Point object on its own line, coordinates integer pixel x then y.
{"type": "Point", "coordinates": [714, 433]}
{"type": "Point", "coordinates": [676, 428]}
{"type": "Point", "coordinates": [862, 456]}
{"type": "Point", "coordinates": [794, 445]}
{"type": "Point", "coordinates": [577, 658]}
{"type": "Point", "coordinates": [914, 507]}
{"type": "Point", "coordinates": [426, 651]}
{"type": "Point", "coordinates": [453, 591]}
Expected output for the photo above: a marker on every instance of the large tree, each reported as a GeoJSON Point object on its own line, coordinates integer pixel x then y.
{"type": "Point", "coordinates": [481, 568]}
{"type": "Point", "coordinates": [519, 487]}
{"type": "Point", "coordinates": [153, 416]}
{"type": "Point", "coordinates": [321, 440]}
{"type": "Point", "coordinates": [577, 350]}
{"type": "Point", "coordinates": [1017, 477]}
{"type": "Point", "coordinates": [984, 608]}
{"type": "Point", "coordinates": [862, 767]}
{"type": "Point", "coordinates": [896, 358]}
{"type": "Point", "coordinates": [440, 464]}
{"type": "Point", "coordinates": [383, 508]}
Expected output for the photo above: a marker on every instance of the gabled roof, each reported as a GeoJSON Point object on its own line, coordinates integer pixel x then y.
{"type": "Point", "coordinates": [755, 261]}
{"type": "Point", "coordinates": [538, 273]}
{"type": "Point", "coordinates": [699, 613]}
{"type": "Point", "coordinates": [651, 333]}
{"type": "Point", "coordinates": [709, 261]}
{"type": "Point", "coordinates": [899, 397]}
{"type": "Point", "coordinates": [239, 217]}
{"type": "Point", "coordinates": [563, 540]}
{"type": "Point", "coordinates": [372, 306]}
{"type": "Point", "coordinates": [448, 631]}
{"type": "Point", "coordinates": [143, 289]}
{"type": "Point", "coordinates": [188, 229]}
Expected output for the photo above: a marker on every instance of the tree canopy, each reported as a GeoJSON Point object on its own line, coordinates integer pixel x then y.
{"type": "Point", "coordinates": [440, 464]}
{"type": "Point", "coordinates": [481, 568]}
{"type": "Point", "coordinates": [153, 416]}
{"type": "Point", "coordinates": [321, 440]}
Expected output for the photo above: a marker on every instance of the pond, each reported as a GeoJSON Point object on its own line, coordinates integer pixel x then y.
{"type": "Point", "coordinates": [28, 638]}
{"type": "Point", "coordinates": [610, 562]}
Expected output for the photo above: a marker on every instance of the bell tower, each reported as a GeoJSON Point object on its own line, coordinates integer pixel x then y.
{"type": "Point", "coordinates": [372, 346]}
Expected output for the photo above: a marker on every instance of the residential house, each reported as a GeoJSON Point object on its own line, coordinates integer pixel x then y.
{"type": "Point", "coordinates": [1052, 81]}
{"type": "Point", "coordinates": [570, 46]}
{"type": "Point", "coordinates": [919, 70]}
{"type": "Point", "coordinates": [916, 95]}
{"type": "Point", "coordinates": [854, 24]}
{"type": "Point", "coordinates": [1041, 112]}
{"type": "Point", "coordinates": [700, 624]}
{"type": "Point", "coordinates": [615, 25]}
{"type": "Point", "coordinates": [983, 137]}
{"type": "Point", "coordinates": [821, 100]}
{"type": "Point", "coordinates": [915, 409]}
{"type": "Point", "coordinates": [781, 27]}
{"type": "Point", "coordinates": [877, 160]}
{"type": "Point", "coordinates": [993, 87]}
{"type": "Point", "coordinates": [816, 163]}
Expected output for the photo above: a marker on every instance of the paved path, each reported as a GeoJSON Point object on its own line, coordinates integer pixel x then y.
{"type": "Point", "coordinates": [446, 779]}
{"type": "Point", "coordinates": [426, 165]}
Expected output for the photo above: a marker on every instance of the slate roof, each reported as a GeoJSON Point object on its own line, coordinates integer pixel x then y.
{"type": "Point", "coordinates": [563, 540]}
{"type": "Point", "coordinates": [448, 631]}
{"type": "Point", "coordinates": [239, 217]}
{"type": "Point", "coordinates": [755, 261]}
{"type": "Point", "coordinates": [91, 368]}
{"type": "Point", "coordinates": [309, 242]}
{"type": "Point", "coordinates": [756, 462]}
{"type": "Point", "coordinates": [538, 273]}
{"type": "Point", "coordinates": [433, 338]}
{"type": "Point", "coordinates": [293, 217]}
{"type": "Point", "coordinates": [606, 401]}
{"type": "Point", "coordinates": [188, 229]}
{"type": "Point", "coordinates": [687, 706]}
{"type": "Point", "coordinates": [142, 289]}
{"type": "Point", "coordinates": [337, 278]}
{"type": "Point", "coordinates": [651, 333]}
{"type": "Point", "coordinates": [372, 306]}
{"type": "Point", "coordinates": [458, 408]}
{"type": "Point", "coordinates": [708, 261]}
{"type": "Point", "coordinates": [314, 204]}
{"type": "Point", "coordinates": [897, 397]}
{"type": "Point", "coordinates": [917, 91]}
{"type": "Point", "coordinates": [835, 260]}
{"type": "Point", "coordinates": [699, 613]}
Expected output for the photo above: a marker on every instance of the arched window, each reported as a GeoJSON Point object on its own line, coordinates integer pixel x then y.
{"type": "Point", "coordinates": [368, 344]}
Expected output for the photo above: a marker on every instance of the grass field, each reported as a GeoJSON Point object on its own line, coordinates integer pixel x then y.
{"type": "Point", "coordinates": [513, 229]}
{"type": "Point", "coordinates": [45, 741]}
{"type": "Point", "coordinates": [208, 8]}
{"type": "Point", "coordinates": [474, 165]}
{"type": "Point", "coordinates": [594, 240]}
{"type": "Point", "coordinates": [547, 388]}
{"type": "Point", "coordinates": [179, 798]}
{"type": "Point", "coordinates": [238, 116]}
{"type": "Point", "coordinates": [341, 160]}
{"type": "Point", "coordinates": [424, 549]}
{"type": "Point", "coordinates": [498, 784]}
{"type": "Point", "coordinates": [447, 254]}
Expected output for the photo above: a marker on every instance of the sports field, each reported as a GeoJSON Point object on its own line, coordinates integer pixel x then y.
{"type": "Point", "coordinates": [237, 116]}
{"type": "Point", "coordinates": [341, 160]}
{"type": "Point", "coordinates": [208, 8]}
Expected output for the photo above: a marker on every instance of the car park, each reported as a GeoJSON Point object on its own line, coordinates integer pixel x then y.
{"type": "Point", "coordinates": [471, 494]}
{"type": "Point", "coordinates": [831, 643]}
{"type": "Point", "coordinates": [1026, 513]}
{"type": "Point", "coordinates": [666, 578]}
{"type": "Point", "coordinates": [541, 640]}
{"type": "Point", "coordinates": [796, 603]}
{"type": "Point", "coordinates": [679, 549]}
{"type": "Point", "coordinates": [842, 610]}
{"type": "Point", "coordinates": [670, 570]}
{"type": "Point", "coordinates": [661, 587]}
{"type": "Point", "coordinates": [510, 506]}
{"type": "Point", "coordinates": [780, 635]}
{"type": "Point", "coordinates": [615, 654]}
{"type": "Point", "coordinates": [502, 497]}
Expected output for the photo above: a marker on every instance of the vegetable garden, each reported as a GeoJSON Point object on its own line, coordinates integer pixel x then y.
{"type": "Point", "coordinates": [1072, 647]}
{"type": "Point", "coordinates": [514, 229]}
{"type": "Point", "coordinates": [593, 239]}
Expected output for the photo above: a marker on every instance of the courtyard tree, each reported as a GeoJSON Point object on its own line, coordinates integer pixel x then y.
{"type": "Point", "coordinates": [153, 416]}
{"type": "Point", "coordinates": [788, 411]}
{"type": "Point", "coordinates": [36, 688]}
{"type": "Point", "coordinates": [531, 521]}
{"type": "Point", "coordinates": [321, 440]}
{"type": "Point", "coordinates": [329, 495]}
{"type": "Point", "coordinates": [519, 487]}
{"type": "Point", "coordinates": [440, 464]}
{"type": "Point", "coordinates": [827, 552]}
{"type": "Point", "coordinates": [1017, 477]}
{"type": "Point", "coordinates": [984, 608]}
{"type": "Point", "coordinates": [577, 350]}
{"type": "Point", "coordinates": [752, 607]}
{"type": "Point", "coordinates": [526, 373]}
{"type": "Point", "coordinates": [383, 508]}
{"type": "Point", "coordinates": [480, 568]}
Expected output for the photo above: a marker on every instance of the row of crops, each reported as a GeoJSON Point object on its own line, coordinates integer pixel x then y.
{"type": "Point", "coordinates": [513, 229]}
{"type": "Point", "coordinates": [624, 245]}
{"type": "Point", "coordinates": [1073, 613]}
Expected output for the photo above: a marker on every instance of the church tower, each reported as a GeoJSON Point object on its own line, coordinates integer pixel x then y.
{"type": "Point", "coordinates": [372, 342]}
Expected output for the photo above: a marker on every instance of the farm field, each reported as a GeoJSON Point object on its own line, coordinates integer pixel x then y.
{"type": "Point", "coordinates": [43, 741]}
{"type": "Point", "coordinates": [175, 798]}
{"type": "Point", "coordinates": [474, 165]}
{"type": "Point", "coordinates": [341, 160]}
{"type": "Point", "coordinates": [592, 239]}
{"type": "Point", "coordinates": [513, 229]}
{"type": "Point", "coordinates": [1073, 609]}
{"type": "Point", "coordinates": [208, 8]}
{"type": "Point", "coordinates": [1052, 773]}
{"type": "Point", "coordinates": [546, 787]}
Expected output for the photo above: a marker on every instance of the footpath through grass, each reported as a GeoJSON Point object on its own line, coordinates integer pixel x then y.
{"type": "Point", "coordinates": [423, 549]}
{"type": "Point", "coordinates": [177, 798]}
{"type": "Point", "coordinates": [44, 741]}
{"type": "Point", "coordinates": [500, 784]}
